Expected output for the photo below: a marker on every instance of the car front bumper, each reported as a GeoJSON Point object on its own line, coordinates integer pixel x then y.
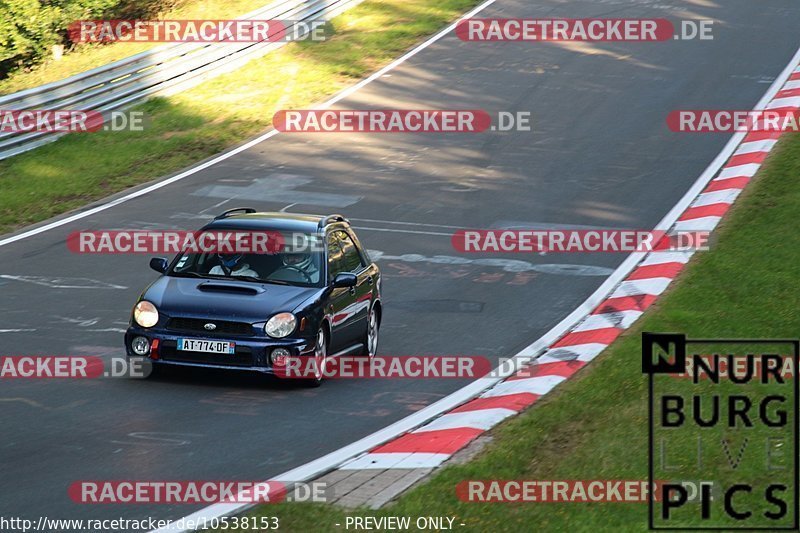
{"type": "Point", "coordinates": [250, 353]}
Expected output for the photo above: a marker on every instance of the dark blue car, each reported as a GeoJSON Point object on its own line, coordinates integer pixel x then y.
{"type": "Point", "coordinates": [317, 296]}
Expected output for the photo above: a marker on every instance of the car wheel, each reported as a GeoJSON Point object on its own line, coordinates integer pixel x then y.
{"type": "Point", "coordinates": [371, 337]}
{"type": "Point", "coordinates": [321, 359]}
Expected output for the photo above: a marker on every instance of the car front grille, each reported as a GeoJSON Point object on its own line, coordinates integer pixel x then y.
{"type": "Point", "coordinates": [197, 325]}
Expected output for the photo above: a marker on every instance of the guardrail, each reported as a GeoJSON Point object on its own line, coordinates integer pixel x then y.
{"type": "Point", "coordinates": [161, 71]}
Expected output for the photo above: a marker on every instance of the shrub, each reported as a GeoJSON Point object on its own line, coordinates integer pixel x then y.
{"type": "Point", "coordinates": [30, 28]}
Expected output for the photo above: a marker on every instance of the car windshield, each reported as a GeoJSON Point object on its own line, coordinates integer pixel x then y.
{"type": "Point", "coordinates": [298, 261]}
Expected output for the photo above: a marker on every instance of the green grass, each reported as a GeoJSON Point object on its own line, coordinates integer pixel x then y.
{"type": "Point", "coordinates": [594, 426]}
{"type": "Point", "coordinates": [203, 121]}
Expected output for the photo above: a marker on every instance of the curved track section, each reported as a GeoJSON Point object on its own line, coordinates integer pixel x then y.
{"type": "Point", "coordinates": [600, 155]}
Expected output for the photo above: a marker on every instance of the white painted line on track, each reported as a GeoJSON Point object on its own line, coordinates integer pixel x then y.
{"type": "Point", "coordinates": [536, 385]}
{"type": "Point", "coordinates": [398, 230]}
{"type": "Point", "coordinates": [667, 257]}
{"type": "Point", "coordinates": [747, 170]}
{"type": "Point", "coordinates": [617, 319]}
{"type": "Point", "coordinates": [397, 460]}
{"type": "Point", "coordinates": [584, 352]}
{"type": "Point", "coordinates": [727, 196]}
{"type": "Point", "coordinates": [698, 224]}
{"type": "Point", "coordinates": [483, 419]}
{"type": "Point", "coordinates": [398, 222]}
{"type": "Point", "coordinates": [756, 146]}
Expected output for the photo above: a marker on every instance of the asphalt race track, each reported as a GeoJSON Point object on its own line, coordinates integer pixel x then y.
{"type": "Point", "coordinates": [599, 155]}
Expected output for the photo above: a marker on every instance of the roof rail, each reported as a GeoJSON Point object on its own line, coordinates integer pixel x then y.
{"type": "Point", "coordinates": [331, 219]}
{"type": "Point", "coordinates": [229, 212]}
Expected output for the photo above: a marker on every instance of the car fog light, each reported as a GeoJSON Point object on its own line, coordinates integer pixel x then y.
{"type": "Point", "coordinates": [279, 356]}
{"type": "Point", "coordinates": [140, 346]}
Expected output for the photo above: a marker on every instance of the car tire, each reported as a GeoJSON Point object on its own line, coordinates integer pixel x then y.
{"type": "Point", "coordinates": [321, 355]}
{"type": "Point", "coordinates": [370, 341]}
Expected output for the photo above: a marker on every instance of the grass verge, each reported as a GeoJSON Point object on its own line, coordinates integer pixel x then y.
{"type": "Point", "coordinates": [595, 426]}
{"type": "Point", "coordinates": [205, 120]}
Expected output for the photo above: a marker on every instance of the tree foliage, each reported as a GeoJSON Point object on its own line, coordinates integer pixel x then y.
{"type": "Point", "coordinates": [30, 28]}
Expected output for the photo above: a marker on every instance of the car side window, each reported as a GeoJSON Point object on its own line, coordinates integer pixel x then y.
{"type": "Point", "coordinates": [336, 263]}
{"type": "Point", "coordinates": [365, 259]}
{"type": "Point", "coordinates": [352, 259]}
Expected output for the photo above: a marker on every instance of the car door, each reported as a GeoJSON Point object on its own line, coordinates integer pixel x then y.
{"type": "Point", "coordinates": [355, 263]}
{"type": "Point", "coordinates": [342, 300]}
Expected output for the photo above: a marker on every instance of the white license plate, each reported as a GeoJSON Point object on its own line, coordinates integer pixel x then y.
{"type": "Point", "coordinates": [200, 345]}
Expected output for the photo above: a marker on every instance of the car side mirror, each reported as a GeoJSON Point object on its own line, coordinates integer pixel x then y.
{"type": "Point", "coordinates": [159, 264]}
{"type": "Point", "coordinates": [345, 279]}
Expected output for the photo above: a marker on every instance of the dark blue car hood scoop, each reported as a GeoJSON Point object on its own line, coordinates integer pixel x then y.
{"type": "Point", "coordinates": [251, 289]}
{"type": "Point", "coordinates": [225, 300]}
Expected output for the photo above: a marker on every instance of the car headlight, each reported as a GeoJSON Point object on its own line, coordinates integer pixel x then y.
{"type": "Point", "coordinates": [145, 314]}
{"type": "Point", "coordinates": [280, 325]}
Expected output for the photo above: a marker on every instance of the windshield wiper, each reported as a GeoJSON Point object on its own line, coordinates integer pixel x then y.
{"type": "Point", "coordinates": [253, 279]}
{"type": "Point", "coordinates": [277, 282]}
{"type": "Point", "coordinates": [187, 274]}
{"type": "Point", "coordinates": [198, 275]}
{"type": "Point", "coordinates": [258, 280]}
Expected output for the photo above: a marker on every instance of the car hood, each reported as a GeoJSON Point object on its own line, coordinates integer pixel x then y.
{"type": "Point", "coordinates": [241, 301]}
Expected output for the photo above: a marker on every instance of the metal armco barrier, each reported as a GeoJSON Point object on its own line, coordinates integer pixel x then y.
{"type": "Point", "coordinates": [162, 71]}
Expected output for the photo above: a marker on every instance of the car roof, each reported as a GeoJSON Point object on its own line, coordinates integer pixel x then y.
{"type": "Point", "coordinates": [275, 221]}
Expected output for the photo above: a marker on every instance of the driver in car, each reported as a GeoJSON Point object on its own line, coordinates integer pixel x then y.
{"type": "Point", "coordinates": [231, 265]}
{"type": "Point", "coordinates": [297, 267]}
